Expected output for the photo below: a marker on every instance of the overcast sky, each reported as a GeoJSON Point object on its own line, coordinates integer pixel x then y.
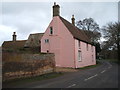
{"type": "Point", "coordinates": [25, 18]}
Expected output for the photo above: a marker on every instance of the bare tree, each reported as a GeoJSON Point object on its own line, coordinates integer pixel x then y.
{"type": "Point", "coordinates": [91, 28]}
{"type": "Point", "coordinates": [111, 33]}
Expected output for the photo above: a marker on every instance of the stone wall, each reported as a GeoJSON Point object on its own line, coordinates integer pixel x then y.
{"type": "Point", "coordinates": [14, 56]}
{"type": "Point", "coordinates": [18, 65]}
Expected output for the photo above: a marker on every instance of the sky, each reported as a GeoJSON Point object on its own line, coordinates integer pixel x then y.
{"type": "Point", "coordinates": [26, 17]}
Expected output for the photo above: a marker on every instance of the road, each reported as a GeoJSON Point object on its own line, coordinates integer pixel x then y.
{"type": "Point", "coordinates": [103, 76]}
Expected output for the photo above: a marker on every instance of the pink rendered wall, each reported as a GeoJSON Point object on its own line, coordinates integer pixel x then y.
{"type": "Point", "coordinates": [86, 55]}
{"type": "Point", "coordinates": [67, 47]}
{"type": "Point", "coordinates": [61, 43]}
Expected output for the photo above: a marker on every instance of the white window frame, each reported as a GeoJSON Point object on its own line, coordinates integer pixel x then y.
{"type": "Point", "coordinates": [79, 56]}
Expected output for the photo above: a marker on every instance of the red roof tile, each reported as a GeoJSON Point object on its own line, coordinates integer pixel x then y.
{"type": "Point", "coordinates": [76, 32]}
{"type": "Point", "coordinates": [12, 44]}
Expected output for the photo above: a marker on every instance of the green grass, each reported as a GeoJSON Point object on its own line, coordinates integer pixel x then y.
{"type": "Point", "coordinates": [91, 66]}
{"type": "Point", "coordinates": [19, 81]}
{"type": "Point", "coordinates": [113, 60]}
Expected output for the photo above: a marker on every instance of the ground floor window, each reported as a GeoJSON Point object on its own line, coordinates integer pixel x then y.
{"type": "Point", "coordinates": [46, 40]}
{"type": "Point", "coordinates": [79, 55]}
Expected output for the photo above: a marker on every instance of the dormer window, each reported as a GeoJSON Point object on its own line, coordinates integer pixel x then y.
{"type": "Point", "coordinates": [51, 30]}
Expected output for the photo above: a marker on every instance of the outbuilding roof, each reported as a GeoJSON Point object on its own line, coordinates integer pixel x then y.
{"type": "Point", "coordinates": [14, 44]}
{"type": "Point", "coordinates": [34, 40]}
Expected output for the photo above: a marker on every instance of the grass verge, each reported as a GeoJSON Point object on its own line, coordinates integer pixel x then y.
{"type": "Point", "coordinates": [113, 61]}
{"type": "Point", "coordinates": [91, 66]}
{"type": "Point", "coordinates": [15, 82]}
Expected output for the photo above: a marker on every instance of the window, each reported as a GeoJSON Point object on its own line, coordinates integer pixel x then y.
{"type": "Point", "coordinates": [51, 30]}
{"type": "Point", "coordinates": [46, 40]}
{"type": "Point", "coordinates": [79, 44]}
{"type": "Point", "coordinates": [87, 46]}
{"type": "Point", "coordinates": [79, 55]}
{"type": "Point", "coordinates": [92, 58]}
{"type": "Point", "coordinates": [91, 48]}
{"type": "Point", "coordinates": [47, 51]}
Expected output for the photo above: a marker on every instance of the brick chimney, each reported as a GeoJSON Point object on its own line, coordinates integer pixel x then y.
{"type": "Point", "coordinates": [56, 10]}
{"type": "Point", "coordinates": [73, 20]}
{"type": "Point", "coordinates": [14, 36]}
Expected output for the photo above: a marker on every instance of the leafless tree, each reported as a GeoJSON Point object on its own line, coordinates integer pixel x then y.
{"type": "Point", "coordinates": [91, 28]}
{"type": "Point", "coordinates": [111, 33]}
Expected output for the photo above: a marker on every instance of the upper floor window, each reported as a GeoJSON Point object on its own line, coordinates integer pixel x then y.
{"type": "Point", "coordinates": [87, 46]}
{"type": "Point", "coordinates": [51, 30]}
{"type": "Point", "coordinates": [79, 43]}
{"type": "Point", "coordinates": [91, 48]}
{"type": "Point", "coordinates": [46, 40]}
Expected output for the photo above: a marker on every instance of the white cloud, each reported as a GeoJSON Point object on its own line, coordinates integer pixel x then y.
{"type": "Point", "coordinates": [5, 32]}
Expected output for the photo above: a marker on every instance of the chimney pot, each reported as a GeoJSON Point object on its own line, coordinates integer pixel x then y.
{"type": "Point", "coordinates": [73, 20]}
{"type": "Point", "coordinates": [54, 3]}
{"type": "Point", "coordinates": [14, 36]}
{"type": "Point", "coordinates": [56, 10]}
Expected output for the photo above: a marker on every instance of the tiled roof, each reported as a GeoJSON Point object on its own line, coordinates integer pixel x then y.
{"type": "Point", "coordinates": [22, 43]}
{"type": "Point", "coordinates": [37, 35]}
{"type": "Point", "coordinates": [14, 44]}
{"type": "Point", "coordinates": [76, 32]}
{"type": "Point", "coordinates": [34, 40]}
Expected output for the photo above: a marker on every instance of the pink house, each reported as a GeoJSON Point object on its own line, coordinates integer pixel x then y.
{"type": "Point", "coordinates": [71, 46]}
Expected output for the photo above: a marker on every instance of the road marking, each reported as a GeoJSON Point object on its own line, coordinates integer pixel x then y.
{"type": "Point", "coordinates": [71, 85]}
{"type": "Point", "coordinates": [103, 71]}
{"type": "Point", "coordinates": [110, 64]}
{"type": "Point", "coordinates": [91, 77]}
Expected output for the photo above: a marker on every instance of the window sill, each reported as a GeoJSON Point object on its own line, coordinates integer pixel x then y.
{"type": "Point", "coordinates": [53, 35]}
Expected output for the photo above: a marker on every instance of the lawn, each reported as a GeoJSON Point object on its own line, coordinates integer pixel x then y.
{"type": "Point", "coordinates": [91, 66]}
